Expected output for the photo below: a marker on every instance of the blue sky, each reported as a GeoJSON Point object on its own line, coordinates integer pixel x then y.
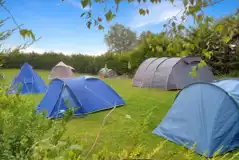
{"type": "Point", "coordinates": [63, 30]}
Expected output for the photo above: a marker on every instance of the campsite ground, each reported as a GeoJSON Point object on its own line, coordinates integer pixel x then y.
{"type": "Point", "coordinates": [120, 125]}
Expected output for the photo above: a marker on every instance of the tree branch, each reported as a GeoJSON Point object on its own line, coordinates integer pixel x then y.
{"type": "Point", "coordinates": [14, 20]}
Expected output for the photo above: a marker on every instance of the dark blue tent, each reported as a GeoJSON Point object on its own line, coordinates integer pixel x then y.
{"type": "Point", "coordinates": [205, 115]}
{"type": "Point", "coordinates": [84, 94]}
{"type": "Point", "coordinates": [28, 80]}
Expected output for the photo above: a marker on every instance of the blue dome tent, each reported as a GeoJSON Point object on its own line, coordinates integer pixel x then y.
{"type": "Point", "coordinates": [204, 116]}
{"type": "Point", "coordinates": [29, 81]}
{"type": "Point", "coordinates": [84, 94]}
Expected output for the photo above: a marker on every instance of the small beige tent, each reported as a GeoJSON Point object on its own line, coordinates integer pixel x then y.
{"type": "Point", "coordinates": [61, 70]}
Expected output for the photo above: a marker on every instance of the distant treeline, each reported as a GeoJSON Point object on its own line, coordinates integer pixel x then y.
{"type": "Point", "coordinates": [82, 63]}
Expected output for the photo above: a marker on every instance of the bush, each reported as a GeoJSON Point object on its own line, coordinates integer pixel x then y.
{"type": "Point", "coordinates": [26, 135]}
{"type": "Point", "coordinates": [29, 136]}
{"type": "Point", "coordinates": [21, 129]}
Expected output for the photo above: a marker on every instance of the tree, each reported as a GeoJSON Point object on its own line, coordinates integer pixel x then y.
{"type": "Point", "coordinates": [120, 39]}
{"type": "Point", "coordinates": [144, 35]}
{"type": "Point", "coordinates": [173, 27]}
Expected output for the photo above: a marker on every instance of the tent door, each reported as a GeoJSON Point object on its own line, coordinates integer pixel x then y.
{"type": "Point", "coordinates": [66, 101]}
{"type": "Point", "coordinates": [29, 84]}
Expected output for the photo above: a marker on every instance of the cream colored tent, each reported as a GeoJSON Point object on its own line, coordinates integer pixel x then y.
{"type": "Point", "coordinates": [61, 70]}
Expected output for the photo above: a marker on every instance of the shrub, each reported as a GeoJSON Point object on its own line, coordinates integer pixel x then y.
{"type": "Point", "coordinates": [21, 129]}
{"type": "Point", "coordinates": [29, 136]}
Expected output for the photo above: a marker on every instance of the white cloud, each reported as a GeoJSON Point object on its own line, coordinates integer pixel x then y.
{"type": "Point", "coordinates": [158, 13]}
{"type": "Point", "coordinates": [77, 4]}
{"type": "Point", "coordinates": [87, 50]}
{"type": "Point", "coordinates": [66, 52]}
{"type": "Point", "coordinates": [31, 49]}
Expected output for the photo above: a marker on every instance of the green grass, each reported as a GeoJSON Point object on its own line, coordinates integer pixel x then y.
{"type": "Point", "coordinates": [139, 103]}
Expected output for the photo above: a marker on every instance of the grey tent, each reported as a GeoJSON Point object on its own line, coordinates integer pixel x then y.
{"type": "Point", "coordinates": [106, 72]}
{"type": "Point", "coordinates": [170, 73]}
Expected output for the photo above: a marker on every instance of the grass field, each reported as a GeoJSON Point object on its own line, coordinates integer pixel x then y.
{"type": "Point", "coordinates": [116, 133]}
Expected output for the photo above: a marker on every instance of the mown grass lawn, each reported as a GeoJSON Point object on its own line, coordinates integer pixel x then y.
{"type": "Point", "coordinates": [117, 131]}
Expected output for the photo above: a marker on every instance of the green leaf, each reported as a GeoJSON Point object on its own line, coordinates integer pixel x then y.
{"type": "Point", "coordinates": [192, 2]}
{"type": "Point", "coordinates": [202, 64]}
{"type": "Point", "coordinates": [23, 33]}
{"type": "Point", "coordinates": [205, 3]}
{"type": "Point", "coordinates": [192, 46]}
{"type": "Point", "coordinates": [147, 11]}
{"type": "Point", "coordinates": [150, 46]}
{"type": "Point", "coordinates": [185, 53]}
{"type": "Point", "coordinates": [209, 19]}
{"type": "Point", "coordinates": [207, 53]}
{"type": "Point", "coordinates": [219, 28]}
{"type": "Point", "coordinates": [82, 14]}
{"type": "Point", "coordinates": [89, 24]}
{"type": "Point", "coordinates": [194, 8]}
{"type": "Point", "coordinates": [100, 27]}
{"type": "Point", "coordinates": [185, 3]}
{"type": "Point", "coordinates": [226, 39]}
{"type": "Point", "coordinates": [142, 11]}
{"type": "Point", "coordinates": [130, 1]}
{"type": "Point", "coordinates": [84, 3]}
{"type": "Point", "coordinates": [171, 1]}
{"type": "Point", "coordinates": [159, 49]}
{"type": "Point", "coordinates": [27, 33]}
{"type": "Point", "coordinates": [33, 36]}
{"type": "Point", "coordinates": [117, 1]}
{"type": "Point", "coordinates": [88, 15]}
{"type": "Point", "coordinates": [109, 15]}
{"type": "Point", "coordinates": [193, 74]}
{"type": "Point", "coordinates": [199, 18]}
{"type": "Point", "coordinates": [173, 24]}
{"type": "Point", "coordinates": [129, 65]}
{"type": "Point", "coordinates": [194, 68]}
{"type": "Point", "coordinates": [181, 27]}
{"type": "Point", "coordinates": [153, 49]}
